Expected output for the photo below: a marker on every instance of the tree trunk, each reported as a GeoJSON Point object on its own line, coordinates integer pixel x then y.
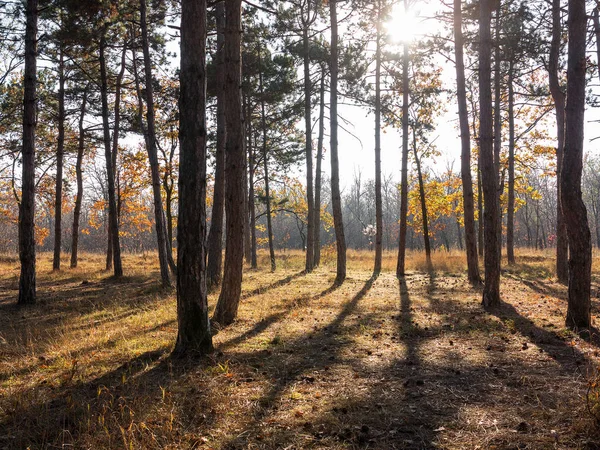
{"type": "Point", "coordinates": [575, 214]}
{"type": "Point", "coordinates": [60, 152]}
{"type": "Point", "coordinates": [215, 235]}
{"type": "Point", "coordinates": [266, 169]}
{"type": "Point", "coordinates": [317, 253]}
{"type": "Point", "coordinates": [227, 306]}
{"type": "Point", "coordinates": [79, 174]}
{"type": "Point", "coordinates": [510, 215]}
{"type": "Point", "coordinates": [400, 269]}
{"type": "Point", "coordinates": [378, 199]}
{"type": "Point", "coordinates": [498, 118]}
{"type": "Point", "coordinates": [251, 203]}
{"type": "Point", "coordinates": [426, 240]}
{"type": "Point", "coordinates": [151, 147]}
{"type": "Point", "coordinates": [110, 169]}
{"type": "Point", "coordinates": [480, 244]}
{"type": "Point", "coordinates": [193, 334]}
{"type": "Point", "coordinates": [491, 291]}
{"type": "Point", "coordinates": [465, 139]}
{"type": "Point", "coordinates": [27, 282]}
{"type": "Point", "coordinates": [310, 242]}
{"type": "Point", "coordinates": [336, 199]}
{"type": "Point", "coordinates": [562, 239]}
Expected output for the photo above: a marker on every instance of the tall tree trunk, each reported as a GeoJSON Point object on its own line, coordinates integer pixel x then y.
{"type": "Point", "coordinates": [510, 215]}
{"type": "Point", "coordinates": [27, 292]}
{"type": "Point", "coordinates": [110, 169]}
{"type": "Point", "coordinates": [426, 240]}
{"type": "Point", "coordinates": [193, 334]}
{"type": "Point", "coordinates": [400, 269]}
{"type": "Point", "coordinates": [227, 306]}
{"type": "Point", "coordinates": [336, 199]}
{"type": "Point", "coordinates": [151, 147]}
{"type": "Point", "coordinates": [247, 234]}
{"type": "Point", "coordinates": [310, 201]}
{"type": "Point", "coordinates": [480, 244]}
{"type": "Point", "coordinates": [60, 153]}
{"type": "Point", "coordinates": [562, 239]}
{"type": "Point", "coordinates": [251, 202]}
{"type": "Point", "coordinates": [465, 139]}
{"type": "Point", "coordinates": [580, 261]}
{"type": "Point", "coordinates": [378, 199]}
{"type": "Point", "coordinates": [215, 235]}
{"type": "Point", "coordinates": [317, 253]}
{"type": "Point", "coordinates": [491, 291]}
{"type": "Point", "coordinates": [79, 175]}
{"type": "Point", "coordinates": [265, 156]}
{"type": "Point", "coordinates": [498, 118]}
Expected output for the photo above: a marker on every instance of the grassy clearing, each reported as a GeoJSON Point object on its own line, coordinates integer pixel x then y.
{"type": "Point", "coordinates": [371, 364]}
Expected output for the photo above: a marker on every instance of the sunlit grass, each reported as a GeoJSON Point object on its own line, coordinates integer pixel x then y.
{"type": "Point", "coordinates": [305, 365]}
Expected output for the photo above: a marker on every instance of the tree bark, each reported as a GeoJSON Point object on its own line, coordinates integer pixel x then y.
{"type": "Point", "coordinates": [60, 154]}
{"type": "Point", "coordinates": [559, 97]}
{"type": "Point", "coordinates": [426, 240]}
{"type": "Point", "coordinates": [378, 199]}
{"type": "Point", "coordinates": [310, 241]}
{"type": "Point", "coordinates": [266, 169]}
{"type": "Point", "coordinates": [79, 175]}
{"type": "Point", "coordinates": [491, 291]}
{"type": "Point", "coordinates": [575, 214]}
{"type": "Point", "coordinates": [193, 335]}
{"type": "Point", "coordinates": [215, 235]}
{"type": "Point", "coordinates": [151, 147]}
{"type": "Point", "coordinates": [227, 305]}
{"type": "Point", "coordinates": [400, 269]}
{"type": "Point", "coordinates": [336, 199]}
{"type": "Point", "coordinates": [498, 118]}
{"type": "Point", "coordinates": [251, 202]}
{"type": "Point", "coordinates": [27, 279]}
{"type": "Point", "coordinates": [317, 253]}
{"type": "Point", "coordinates": [465, 139]}
{"type": "Point", "coordinates": [510, 214]}
{"type": "Point", "coordinates": [108, 154]}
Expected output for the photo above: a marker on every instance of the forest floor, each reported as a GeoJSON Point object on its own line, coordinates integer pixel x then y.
{"type": "Point", "coordinates": [375, 363]}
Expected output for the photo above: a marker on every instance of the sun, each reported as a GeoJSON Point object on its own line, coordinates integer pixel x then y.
{"type": "Point", "coordinates": [403, 25]}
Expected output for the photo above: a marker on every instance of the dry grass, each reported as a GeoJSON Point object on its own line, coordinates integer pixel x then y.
{"type": "Point", "coordinates": [371, 364]}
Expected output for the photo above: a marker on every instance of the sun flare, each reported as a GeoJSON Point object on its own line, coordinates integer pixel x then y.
{"type": "Point", "coordinates": [403, 25]}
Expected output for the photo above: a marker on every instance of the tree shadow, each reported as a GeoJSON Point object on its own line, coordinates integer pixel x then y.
{"type": "Point", "coordinates": [264, 289]}
{"type": "Point", "coordinates": [322, 348]}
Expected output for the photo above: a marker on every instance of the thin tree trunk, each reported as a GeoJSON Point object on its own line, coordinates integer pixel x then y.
{"type": "Point", "coordinates": [110, 173]}
{"type": "Point", "coordinates": [491, 291]}
{"type": "Point", "coordinates": [378, 199]}
{"type": "Point", "coordinates": [251, 203]}
{"type": "Point", "coordinates": [266, 168]}
{"type": "Point", "coordinates": [426, 240]}
{"type": "Point", "coordinates": [465, 139]}
{"type": "Point", "coordinates": [227, 306]}
{"type": "Point", "coordinates": [151, 147]}
{"type": "Point", "coordinates": [562, 239]}
{"type": "Point", "coordinates": [580, 261]}
{"type": "Point", "coordinates": [310, 241]}
{"type": "Point", "coordinates": [336, 199]}
{"type": "Point", "coordinates": [510, 215]}
{"type": "Point", "coordinates": [498, 117]}
{"type": "Point", "coordinates": [480, 244]}
{"type": "Point", "coordinates": [60, 152]}
{"type": "Point", "coordinates": [317, 253]}
{"type": "Point", "coordinates": [400, 269]}
{"type": "Point", "coordinates": [193, 334]}
{"type": "Point", "coordinates": [79, 175]}
{"type": "Point", "coordinates": [215, 235]}
{"type": "Point", "coordinates": [27, 279]}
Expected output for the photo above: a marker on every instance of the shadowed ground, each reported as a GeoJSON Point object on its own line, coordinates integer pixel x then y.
{"type": "Point", "coordinates": [376, 363]}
